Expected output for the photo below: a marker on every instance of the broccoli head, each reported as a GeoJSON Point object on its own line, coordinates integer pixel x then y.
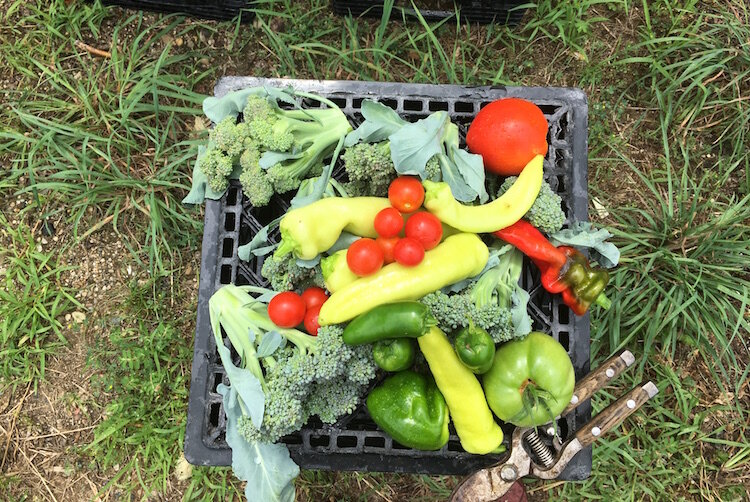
{"type": "Point", "coordinates": [285, 274]}
{"type": "Point", "coordinates": [309, 136]}
{"type": "Point", "coordinates": [229, 137]}
{"type": "Point", "coordinates": [255, 184]}
{"type": "Point", "coordinates": [370, 169]}
{"type": "Point", "coordinates": [458, 310]}
{"type": "Point", "coordinates": [217, 167]}
{"type": "Point", "coordinates": [546, 213]}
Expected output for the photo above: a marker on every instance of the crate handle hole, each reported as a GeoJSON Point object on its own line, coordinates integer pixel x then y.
{"type": "Point", "coordinates": [375, 441]}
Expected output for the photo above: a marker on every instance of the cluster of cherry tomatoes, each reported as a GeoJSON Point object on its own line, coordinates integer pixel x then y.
{"type": "Point", "coordinates": [289, 310]}
{"type": "Point", "coordinates": [421, 232]}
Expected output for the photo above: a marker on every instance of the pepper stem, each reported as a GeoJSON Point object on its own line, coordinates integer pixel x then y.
{"type": "Point", "coordinates": [603, 301]}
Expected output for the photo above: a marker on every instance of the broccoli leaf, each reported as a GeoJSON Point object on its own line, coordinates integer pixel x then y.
{"type": "Point", "coordinates": [318, 188]}
{"type": "Point", "coordinates": [230, 104]}
{"type": "Point", "coordinates": [246, 385]}
{"type": "Point", "coordinates": [267, 468]}
{"type": "Point", "coordinates": [416, 143]}
{"type": "Point", "coordinates": [459, 188]}
{"type": "Point", "coordinates": [519, 314]}
{"type": "Point", "coordinates": [471, 168]}
{"type": "Point", "coordinates": [259, 245]}
{"type": "Point", "coordinates": [344, 241]}
{"type": "Point", "coordinates": [380, 122]}
{"type": "Point", "coordinates": [270, 342]}
{"type": "Point", "coordinates": [312, 263]}
{"type": "Point", "coordinates": [582, 234]}
{"type": "Point", "coordinates": [271, 158]}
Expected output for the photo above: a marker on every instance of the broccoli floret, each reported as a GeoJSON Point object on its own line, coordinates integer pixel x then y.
{"type": "Point", "coordinates": [432, 169]}
{"type": "Point", "coordinates": [308, 135]}
{"type": "Point", "coordinates": [546, 213]}
{"type": "Point", "coordinates": [229, 137]}
{"type": "Point", "coordinates": [370, 169]}
{"type": "Point", "coordinates": [217, 167]}
{"type": "Point", "coordinates": [285, 274]}
{"type": "Point", "coordinates": [255, 184]}
{"type": "Point", "coordinates": [361, 368]}
{"type": "Point", "coordinates": [333, 399]}
{"type": "Point", "coordinates": [455, 311]}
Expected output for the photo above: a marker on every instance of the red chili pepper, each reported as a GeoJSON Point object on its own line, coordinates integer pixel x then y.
{"type": "Point", "coordinates": [564, 269]}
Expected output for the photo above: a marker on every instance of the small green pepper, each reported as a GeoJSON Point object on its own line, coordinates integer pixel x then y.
{"type": "Point", "coordinates": [394, 355]}
{"type": "Point", "coordinates": [410, 408]}
{"type": "Point", "coordinates": [475, 348]}
{"type": "Point", "coordinates": [392, 320]}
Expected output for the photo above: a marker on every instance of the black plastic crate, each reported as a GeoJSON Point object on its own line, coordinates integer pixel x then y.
{"type": "Point", "coordinates": [476, 11]}
{"type": "Point", "coordinates": [355, 443]}
{"type": "Point", "coordinates": [208, 9]}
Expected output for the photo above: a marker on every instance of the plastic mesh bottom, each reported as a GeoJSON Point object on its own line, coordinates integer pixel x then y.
{"type": "Point", "coordinates": [355, 442]}
{"type": "Point", "coordinates": [478, 11]}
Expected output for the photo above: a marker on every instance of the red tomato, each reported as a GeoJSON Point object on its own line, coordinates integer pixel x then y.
{"type": "Point", "coordinates": [311, 320]}
{"type": "Point", "coordinates": [406, 194]}
{"type": "Point", "coordinates": [387, 246]}
{"type": "Point", "coordinates": [286, 309]}
{"type": "Point", "coordinates": [426, 228]}
{"type": "Point", "coordinates": [364, 257]}
{"type": "Point", "coordinates": [508, 133]}
{"type": "Point", "coordinates": [408, 252]}
{"type": "Point", "coordinates": [314, 297]}
{"type": "Point", "coordinates": [388, 222]}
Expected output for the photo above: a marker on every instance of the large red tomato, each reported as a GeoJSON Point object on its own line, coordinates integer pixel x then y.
{"type": "Point", "coordinates": [508, 133]}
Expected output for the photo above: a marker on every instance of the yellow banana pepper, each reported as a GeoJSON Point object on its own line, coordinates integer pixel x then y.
{"type": "Point", "coordinates": [472, 418]}
{"type": "Point", "coordinates": [500, 213]}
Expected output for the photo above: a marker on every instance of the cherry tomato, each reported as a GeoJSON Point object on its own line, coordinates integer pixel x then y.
{"type": "Point", "coordinates": [508, 133]}
{"type": "Point", "coordinates": [311, 320]}
{"type": "Point", "coordinates": [314, 297]}
{"type": "Point", "coordinates": [387, 246]}
{"type": "Point", "coordinates": [426, 228]}
{"type": "Point", "coordinates": [408, 252]}
{"type": "Point", "coordinates": [364, 257]}
{"type": "Point", "coordinates": [388, 222]}
{"type": "Point", "coordinates": [406, 194]}
{"type": "Point", "coordinates": [286, 309]}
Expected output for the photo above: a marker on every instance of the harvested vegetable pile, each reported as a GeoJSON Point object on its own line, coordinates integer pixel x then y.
{"type": "Point", "coordinates": [420, 249]}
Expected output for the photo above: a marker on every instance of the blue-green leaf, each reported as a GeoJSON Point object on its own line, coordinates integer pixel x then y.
{"type": "Point", "coordinates": [380, 122]}
{"type": "Point", "coordinates": [309, 263]}
{"type": "Point", "coordinates": [471, 168]}
{"type": "Point", "coordinates": [317, 189]}
{"type": "Point", "coordinates": [343, 242]}
{"type": "Point", "coordinates": [270, 158]}
{"type": "Point", "coordinates": [267, 468]}
{"type": "Point", "coordinates": [271, 341]}
{"type": "Point", "coordinates": [416, 143]}
{"type": "Point", "coordinates": [246, 384]}
{"type": "Point", "coordinates": [230, 104]}
{"type": "Point", "coordinates": [459, 188]}
{"type": "Point", "coordinates": [582, 234]}
{"type": "Point", "coordinates": [519, 313]}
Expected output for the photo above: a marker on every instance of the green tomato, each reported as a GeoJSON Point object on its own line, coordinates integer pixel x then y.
{"type": "Point", "coordinates": [530, 382]}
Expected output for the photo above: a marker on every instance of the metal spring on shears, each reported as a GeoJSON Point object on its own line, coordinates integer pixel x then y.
{"type": "Point", "coordinates": [541, 450]}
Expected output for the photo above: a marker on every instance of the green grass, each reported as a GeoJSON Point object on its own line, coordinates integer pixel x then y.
{"type": "Point", "coordinates": [107, 144]}
{"type": "Point", "coordinates": [33, 303]}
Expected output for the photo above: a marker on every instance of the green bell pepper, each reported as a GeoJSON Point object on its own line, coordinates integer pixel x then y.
{"type": "Point", "coordinates": [475, 348]}
{"type": "Point", "coordinates": [394, 355]}
{"type": "Point", "coordinates": [531, 380]}
{"type": "Point", "coordinates": [410, 408]}
{"type": "Point", "coordinates": [392, 320]}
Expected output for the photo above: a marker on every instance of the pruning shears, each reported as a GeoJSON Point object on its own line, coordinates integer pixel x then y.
{"type": "Point", "coordinates": [530, 454]}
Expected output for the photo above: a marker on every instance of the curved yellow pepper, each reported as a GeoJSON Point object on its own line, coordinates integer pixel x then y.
{"type": "Point", "coordinates": [458, 257]}
{"type": "Point", "coordinates": [309, 230]}
{"type": "Point", "coordinates": [472, 418]}
{"type": "Point", "coordinates": [500, 213]}
{"type": "Point", "coordinates": [336, 271]}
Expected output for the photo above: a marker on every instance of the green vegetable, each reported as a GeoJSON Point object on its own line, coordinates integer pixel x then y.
{"type": "Point", "coordinates": [410, 408]}
{"type": "Point", "coordinates": [336, 272]}
{"type": "Point", "coordinates": [475, 426]}
{"type": "Point", "coordinates": [546, 212]}
{"type": "Point", "coordinates": [285, 274]}
{"type": "Point", "coordinates": [394, 355]}
{"type": "Point", "coordinates": [582, 234]}
{"type": "Point", "coordinates": [455, 311]}
{"type": "Point", "coordinates": [531, 380]}
{"type": "Point", "coordinates": [475, 348]}
{"type": "Point", "coordinates": [309, 230]}
{"type": "Point", "coordinates": [311, 375]}
{"type": "Point", "coordinates": [391, 320]}
{"type": "Point", "coordinates": [371, 170]}
{"type": "Point", "coordinates": [217, 166]}
{"type": "Point", "coordinates": [456, 258]}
